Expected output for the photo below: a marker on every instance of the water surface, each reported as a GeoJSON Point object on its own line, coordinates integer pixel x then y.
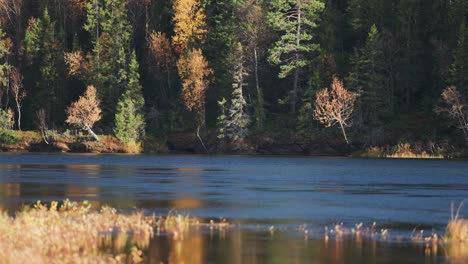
{"type": "Point", "coordinates": [283, 192]}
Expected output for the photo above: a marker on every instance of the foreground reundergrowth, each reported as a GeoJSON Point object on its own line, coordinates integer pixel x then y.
{"type": "Point", "coordinates": [74, 233]}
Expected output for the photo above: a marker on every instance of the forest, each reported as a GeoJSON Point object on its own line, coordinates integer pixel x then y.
{"type": "Point", "coordinates": [307, 76]}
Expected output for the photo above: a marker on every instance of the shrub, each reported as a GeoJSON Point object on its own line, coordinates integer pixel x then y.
{"type": "Point", "coordinates": [8, 136]}
{"type": "Point", "coordinates": [6, 119]}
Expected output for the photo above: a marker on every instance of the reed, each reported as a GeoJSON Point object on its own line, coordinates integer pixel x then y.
{"type": "Point", "coordinates": [73, 233]}
{"type": "Point", "coordinates": [457, 227]}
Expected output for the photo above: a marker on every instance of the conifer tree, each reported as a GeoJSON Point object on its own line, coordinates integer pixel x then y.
{"type": "Point", "coordinates": [4, 64]}
{"type": "Point", "coordinates": [129, 120]}
{"type": "Point", "coordinates": [458, 71]}
{"type": "Point", "coordinates": [294, 20]}
{"type": "Point", "coordinates": [43, 53]}
{"type": "Point", "coordinates": [221, 124]}
{"type": "Point", "coordinates": [238, 119]}
{"type": "Point", "coordinates": [108, 23]}
{"type": "Point", "coordinates": [366, 79]}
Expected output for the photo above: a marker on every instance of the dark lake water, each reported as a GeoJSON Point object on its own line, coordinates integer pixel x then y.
{"type": "Point", "coordinates": [257, 194]}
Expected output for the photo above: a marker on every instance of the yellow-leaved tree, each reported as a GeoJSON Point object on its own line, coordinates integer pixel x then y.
{"type": "Point", "coordinates": [193, 71]}
{"type": "Point", "coordinates": [85, 112]}
{"type": "Point", "coordinates": [189, 24]}
{"type": "Point", "coordinates": [189, 29]}
{"type": "Point", "coordinates": [334, 105]}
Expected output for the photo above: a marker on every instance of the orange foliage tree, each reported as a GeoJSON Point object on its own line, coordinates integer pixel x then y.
{"type": "Point", "coordinates": [189, 24]}
{"type": "Point", "coordinates": [85, 112]}
{"type": "Point", "coordinates": [194, 70]}
{"type": "Point", "coordinates": [334, 105]}
{"type": "Point", "coordinates": [164, 58]}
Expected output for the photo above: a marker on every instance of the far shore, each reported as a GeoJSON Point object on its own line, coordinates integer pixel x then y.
{"type": "Point", "coordinates": [188, 143]}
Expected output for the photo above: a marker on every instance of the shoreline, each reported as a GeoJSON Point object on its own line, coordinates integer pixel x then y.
{"type": "Point", "coordinates": [188, 144]}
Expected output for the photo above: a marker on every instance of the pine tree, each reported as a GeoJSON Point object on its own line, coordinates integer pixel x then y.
{"type": "Point", "coordinates": [238, 120]}
{"type": "Point", "coordinates": [294, 19]}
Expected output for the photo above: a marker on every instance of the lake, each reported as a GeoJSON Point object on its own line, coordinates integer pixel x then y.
{"type": "Point", "coordinates": [279, 207]}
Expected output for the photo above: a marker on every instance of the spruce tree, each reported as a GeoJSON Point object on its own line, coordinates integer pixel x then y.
{"type": "Point", "coordinates": [238, 120]}
{"type": "Point", "coordinates": [367, 80]}
{"type": "Point", "coordinates": [129, 119]}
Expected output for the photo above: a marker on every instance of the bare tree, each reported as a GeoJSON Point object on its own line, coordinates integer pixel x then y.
{"type": "Point", "coordinates": [85, 112]}
{"type": "Point", "coordinates": [18, 91]}
{"type": "Point", "coordinates": [454, 106]}
{"type": "Point", "coordinates": [41, 121]}
{"type": "Point", "coordinates": [334, 105]}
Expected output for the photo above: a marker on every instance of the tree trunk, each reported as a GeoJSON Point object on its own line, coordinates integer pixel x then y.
{"type": "Point", "coordinates": [294, 91]}
{"type": "Point", "coordinates": [259, 117]}
{"type": "Point", "coordinates": [90, 131]}
{"type": "Point", "coordinates": [198, 135]}
{"type": "Point", "coordinates": [344, 133]}
{"type": "Point", "coordinates": [19, 114]}
{"type": "Point", "coordinates": [296, 71]}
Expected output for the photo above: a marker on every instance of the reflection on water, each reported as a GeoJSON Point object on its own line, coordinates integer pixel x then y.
{"type": "Point", "coordinates": [243, 246]}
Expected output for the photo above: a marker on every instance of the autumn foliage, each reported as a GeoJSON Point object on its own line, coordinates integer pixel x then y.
{"type": "Point", "coordinates": [75, 62]}
{"type": "Point", "coordinates": [334, 105]}
{"type": "Point", "coordinates": [85, 112]}
{"type": "Point", "coordinates": [189, 24]}
{"type": "Point", "coordinates": [193, 71]}
{"type": "Point", "coordinates": [454, 106]}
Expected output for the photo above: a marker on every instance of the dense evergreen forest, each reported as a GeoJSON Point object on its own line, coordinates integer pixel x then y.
{"type": "Point", "coordinates": [230, 71]}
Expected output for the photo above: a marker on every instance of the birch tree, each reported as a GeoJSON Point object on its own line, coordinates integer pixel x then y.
{"type": "Point", "coordinates": [334, 106]}
{"type": "Point", "coordinates": [85, 111]}
{"type": "Point", "coordinates": [18, 92]}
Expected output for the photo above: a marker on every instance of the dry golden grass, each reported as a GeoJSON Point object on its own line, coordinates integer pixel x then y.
{"type": "Point", "coordinates": [404, 150]}
{"type": "Point", "coordinates": [457, 228]}
{"type": "Point", "coordinates": [73, 233]}
{"type": "Point", "coordinates": [132, 148]}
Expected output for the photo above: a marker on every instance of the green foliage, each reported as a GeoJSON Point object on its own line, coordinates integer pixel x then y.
{"type": "Point", "coordinates": [6, 119]}
{"type": "Point", "coordinates": [45, 61]}
{"type": "Point", "coordinates": [238, 118]}
{"type": "Point", "coordinates": [221, 123]}
{"type": "Point", "coordinates": [8, 136]}
{"type": "Point", "coordinates": [108, 23]}
{"type": "Point", "coordinates": [295, 21]}
{"type": "Point", "coordinates": [129, 122]}
{"type": "Point", "coordinates": [458, 71]}
{"type": "Point", "coordinates": [367, 79]}
{"type": "Point", "coordinates": [4, 65]}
